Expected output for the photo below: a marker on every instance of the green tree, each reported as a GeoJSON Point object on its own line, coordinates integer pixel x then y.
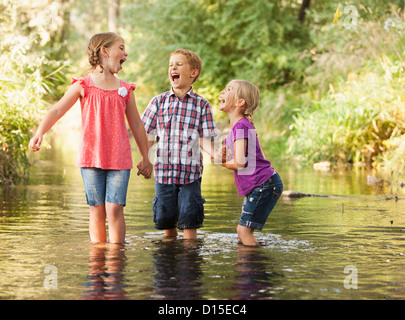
{"type": "Point", "coordinates": [29, 72]}
{"type": "Point", "coordinates": [258, 40]}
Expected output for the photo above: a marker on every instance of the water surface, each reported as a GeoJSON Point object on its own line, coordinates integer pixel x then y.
{"type": "Point", "coordinates": [305, 246]}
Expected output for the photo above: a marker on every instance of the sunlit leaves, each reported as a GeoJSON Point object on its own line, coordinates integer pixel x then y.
{"type": "Point", "coordinates": [28, 73]}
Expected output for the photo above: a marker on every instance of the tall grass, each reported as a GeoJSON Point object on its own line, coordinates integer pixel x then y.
{"type": "Point", "coordinates": [357, 113]}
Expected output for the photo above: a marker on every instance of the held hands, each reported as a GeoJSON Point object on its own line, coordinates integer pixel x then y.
{"type": "Point", "coordinates": [35, 143]}
{"type": "Point", "coordinates": [222, 155]}
{"type": "Point", "coordinates": [145, 168]}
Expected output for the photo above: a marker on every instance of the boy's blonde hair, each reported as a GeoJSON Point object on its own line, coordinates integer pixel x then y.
{"type": "Point", "coordinates": [193, 59]}
{"type": "Point", "coordinates": [105, 39]}
{"type": "Point", "coordinates": [247, 91]}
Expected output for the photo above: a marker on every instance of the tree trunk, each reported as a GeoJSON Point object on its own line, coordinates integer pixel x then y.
{"type": "Point", "coordinates": [113, 13]}
{"type": "Point", "coordinates": [304, 6]}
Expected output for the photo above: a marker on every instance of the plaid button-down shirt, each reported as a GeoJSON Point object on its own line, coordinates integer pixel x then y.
{"type": "Point", "coordinates": [178, 125]}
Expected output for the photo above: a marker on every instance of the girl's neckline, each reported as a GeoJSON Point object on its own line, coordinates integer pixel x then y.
{"type": "Point", "coordinates": [232, 125]}
{"type": "Point", "coordinates": [92, 83]}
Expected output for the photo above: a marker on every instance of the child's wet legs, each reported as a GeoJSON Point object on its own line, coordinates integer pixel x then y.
{"type": "Point", "coordinates": [97, 223]}
{"type": "Point", "coordinates": [116, 222]}
{"type": "Point", "coordinates": [190, 234]}
{"type": "Point", "coordinates": [245, 235]}
{"type": "Point", "coordinates": [170, 233]}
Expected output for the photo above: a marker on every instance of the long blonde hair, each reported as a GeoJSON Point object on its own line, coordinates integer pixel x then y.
{"type": "Point", "coordinates": [105, 39]}
{"type": "Point", "coordinates": [247, 91]}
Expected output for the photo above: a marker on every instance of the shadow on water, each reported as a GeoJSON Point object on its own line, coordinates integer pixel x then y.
{"type": "Point", "coordinates": [178, 270]}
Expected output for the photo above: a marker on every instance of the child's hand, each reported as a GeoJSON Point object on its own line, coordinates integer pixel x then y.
{"type": "Point", "coordinates": [222, 155]}
{"type": "Point", "coordinates": [35, 143]}
{"type": "Point", "coordinates": [217, 157]}
{"type": "Point", "coordinates": [145, 168]}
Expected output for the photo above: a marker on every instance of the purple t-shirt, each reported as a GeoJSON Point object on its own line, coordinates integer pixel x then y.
{"type": "Point", "coordinates": [257, 169]}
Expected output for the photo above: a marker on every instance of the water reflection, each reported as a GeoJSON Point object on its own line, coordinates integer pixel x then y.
{"type": "Point", "coordinates": [256, 277]}
{"type": "Point", "coordinates": [178, 270]}
{"type": "Point", "coordinates": [105, 279]}
{"type": "Point", "coordinates": [307, 243]}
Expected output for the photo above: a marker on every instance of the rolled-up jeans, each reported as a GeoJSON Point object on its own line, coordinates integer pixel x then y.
{"type": "Point", "coordinates": [258, 204]}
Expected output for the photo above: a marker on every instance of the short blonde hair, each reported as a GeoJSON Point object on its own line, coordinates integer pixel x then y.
{"type": "Point", "coordinates": [193, 60]}
{"type": "Point", "coordinates": [105, 39]}
{"type": "Point", "coordinates": [247, 91]}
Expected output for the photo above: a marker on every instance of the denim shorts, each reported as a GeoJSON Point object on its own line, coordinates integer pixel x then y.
{"type": "Point", "coordinates": [260, 202]}
{"type": "Point", "coordinates": [103, 186]}
{"type": "Point", "coordinates": [178, 205]}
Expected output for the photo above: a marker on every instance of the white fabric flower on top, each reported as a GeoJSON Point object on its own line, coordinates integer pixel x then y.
{"type": "Point", "coordinates": [123, 92]}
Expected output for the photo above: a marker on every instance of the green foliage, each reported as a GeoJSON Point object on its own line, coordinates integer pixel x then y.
{"type": "Point", "coordinates": [324, 92]}
{"type": "Point", "coordinates": [257, 40]}
{"type": "Point", "coordinates": [327, 93]}
{"type": "Point", "coordinates": [27, 75]}
{"type": "Point", "coordinates": [15, 124]}
{"type": "Point", "coordinates": [254, 40]}
{"type": "Point", "coordinates": [393, 158]}
{"type": "Point", "coordinates": [362, 113]}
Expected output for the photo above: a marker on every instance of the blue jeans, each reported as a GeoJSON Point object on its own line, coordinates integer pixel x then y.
{"type": "Point", "coordinates": [105, 185]}
{"type": "Point", "coordinates": [178, 205]}
{"type": "Point", "coordinates": [260, 202]}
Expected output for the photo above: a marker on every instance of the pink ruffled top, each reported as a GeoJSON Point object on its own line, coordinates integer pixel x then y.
{"type": "Point", "coordinates": [104, 141]}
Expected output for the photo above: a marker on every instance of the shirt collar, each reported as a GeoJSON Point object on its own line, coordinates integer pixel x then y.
{"type": "Point", "coordinates": [189, 92]}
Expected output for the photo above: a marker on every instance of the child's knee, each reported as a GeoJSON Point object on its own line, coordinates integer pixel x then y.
{"type": "Point", "coordinates": [114, 210]}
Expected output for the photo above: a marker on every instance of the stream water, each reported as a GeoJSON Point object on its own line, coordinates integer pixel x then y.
{"type": "Point", "coordinates": [348, 247]}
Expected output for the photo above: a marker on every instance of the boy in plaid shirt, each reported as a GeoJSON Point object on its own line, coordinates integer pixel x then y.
{"type": "Point", "coordinates": [181, 121]}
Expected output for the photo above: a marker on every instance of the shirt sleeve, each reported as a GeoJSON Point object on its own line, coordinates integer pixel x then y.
{"type": "Point", "coordinates": [129, 87]}
{"type": "Point", "coordinates": [240, 131]}
{"type": "Point", "coordinates": [81, 81]}
{"type": "Point", "coordinates": [207, 126]}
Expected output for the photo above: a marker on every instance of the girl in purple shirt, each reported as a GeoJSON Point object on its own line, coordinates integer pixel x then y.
{"type": "Point", "coordinates": [254, 176]}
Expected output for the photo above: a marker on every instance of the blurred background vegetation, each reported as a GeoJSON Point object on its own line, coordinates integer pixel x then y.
{"type": "Point", "coordinates": [331, 85]}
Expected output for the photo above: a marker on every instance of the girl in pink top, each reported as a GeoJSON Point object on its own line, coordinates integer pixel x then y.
{"type": "Point", "coordinates": [105, 153]}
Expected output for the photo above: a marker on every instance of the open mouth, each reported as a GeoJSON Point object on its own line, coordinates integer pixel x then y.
{"type": "Point", "coordinates": [122, 61]}
{"type": "Point", "coordinates": [175, 76]}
